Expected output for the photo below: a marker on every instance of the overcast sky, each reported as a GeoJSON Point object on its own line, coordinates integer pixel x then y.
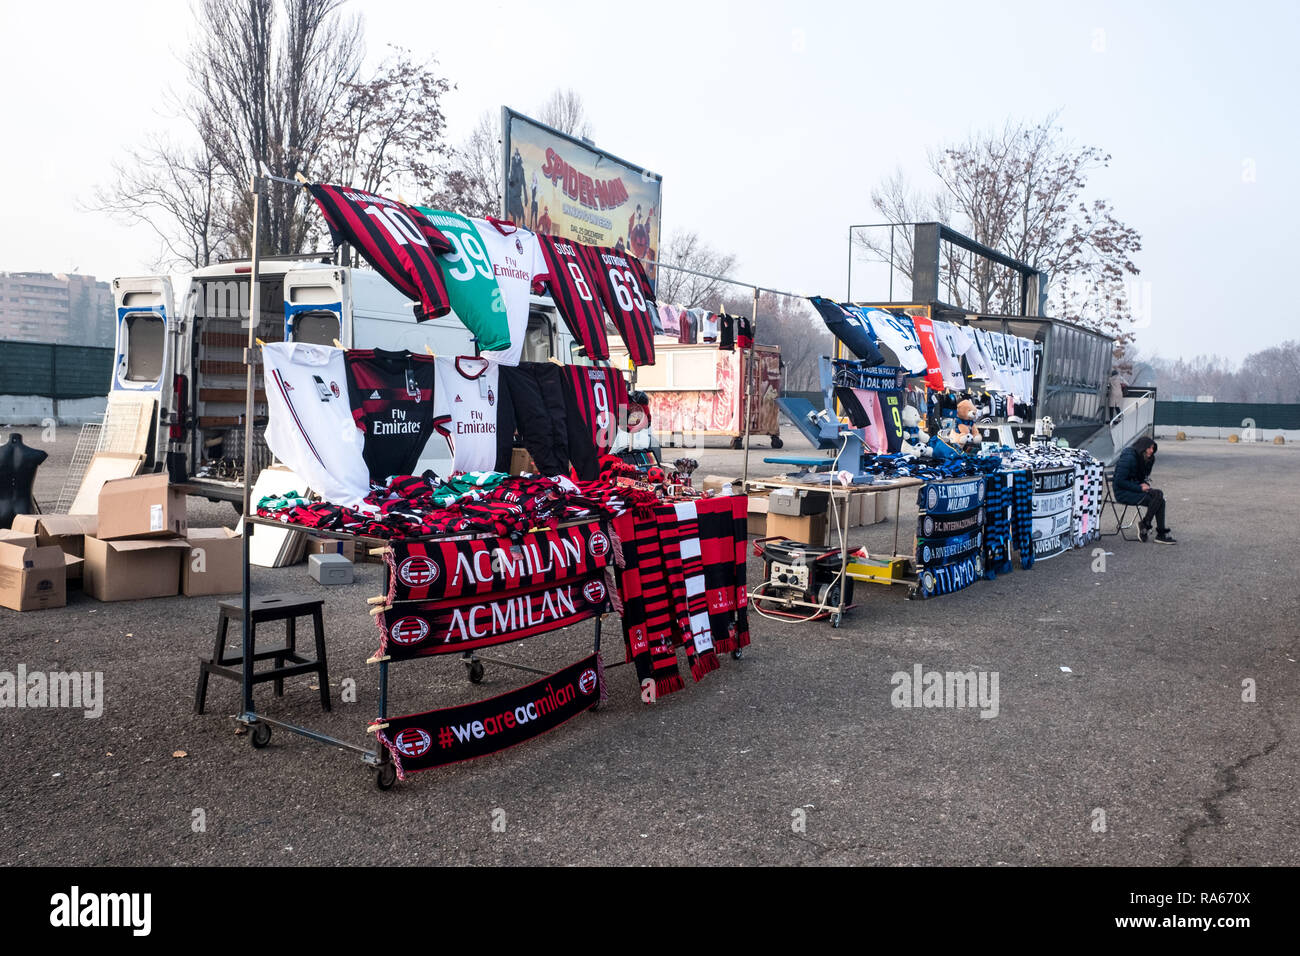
{"type": "Point", "coordinates": [770, 123]}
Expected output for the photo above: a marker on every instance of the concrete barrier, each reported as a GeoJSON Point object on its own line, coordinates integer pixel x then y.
{"type": "Point", "coordinates": [37, 410]}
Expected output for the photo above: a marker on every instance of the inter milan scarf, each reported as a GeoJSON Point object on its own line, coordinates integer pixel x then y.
{"type": "Point", "coordinates": [440, 737]}
{"type": "Point", "coordinates": [425, 628]}
{"type": "Point", "coordinates": [941, 551]}
{"type": "Point", "coordinates": [434, 570]}
{"type": "Point", "coordinates": [1022, 517]}
{"type": "Point", "coordinates": [943, 526]}
{"type": "Point", "coordinates": [680, 531]}
{"type": "Point", "coordinates": [932, 582]}
{"type": "Point", "coordinates": [643, 587]}
{"type": "Point", "coordinates": [949, 497]}
{"type": "Point", "coordinates": [997, 525]}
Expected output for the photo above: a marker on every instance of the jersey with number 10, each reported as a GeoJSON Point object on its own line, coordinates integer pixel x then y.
{"type": "Point", "coordinates": [471, 285]}
{"type": "Point", "coordinates": [394, 238]}
{"type": "Point", "coordinates": [625, 290]}
{"type": "Point", "coordinates": [574, 293]}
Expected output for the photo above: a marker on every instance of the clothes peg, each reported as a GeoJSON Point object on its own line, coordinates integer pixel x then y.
{"type": "Point", "coordinates": [338, 344]}
{"type": "Point", "coordinates": [430, 351]}
{"type": "Point", "coordinates": [259, 341]}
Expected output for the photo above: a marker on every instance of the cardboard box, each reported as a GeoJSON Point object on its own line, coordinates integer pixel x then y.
{"type": "Point", "coordinates": [214, 564]}
{"type": "Point", "coordinates": [521, 462]}
{"type": "Point", "coordinates": [20, 538]}
{"type": "Point", "coordinates": [147, 506]}
{"type": "Point", "coordinates": [757, 524]}
{"type": "Point", "coordinates": [64, 531]}
{"type": "Point", "coordinates": [317, 545]}
{"type": "Point", "coordinates": [33, 578]}
{"type": "Point", "coordinates": [810, 529]}
{"type": "Point", "coordinates": [128, 570]}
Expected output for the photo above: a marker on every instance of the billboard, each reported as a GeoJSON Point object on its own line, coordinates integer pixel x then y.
{"type": "Point", "coordinates": [561, 186]}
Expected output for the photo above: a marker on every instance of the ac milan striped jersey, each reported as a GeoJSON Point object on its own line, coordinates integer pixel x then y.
{"type": "Point", "coordinates": [311, 427]}
{"type": "Point", "coordinates": [400, 243]}
{"type": "Point", "coordinates": [625, 291]}
{"type": "Point", "coordinates": [574, 292]}
{"type": "Point", "coordinates": [600, 395]}
{"type": "Point", "coordinates": [391, 394]}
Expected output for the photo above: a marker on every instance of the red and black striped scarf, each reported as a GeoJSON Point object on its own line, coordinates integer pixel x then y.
{"type": "Point", "coordinates": [647, 614]}
{"type": "Point", "coordinates": [680, 535]}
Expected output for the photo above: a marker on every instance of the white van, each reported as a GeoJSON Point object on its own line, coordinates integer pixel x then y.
{"type": "Point", "coordinates": [180, 345]}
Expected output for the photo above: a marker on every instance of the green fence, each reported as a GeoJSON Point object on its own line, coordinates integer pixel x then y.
{"type": "Point", "coordinates": [1227, 414]}
{"type": "Point", "coordinates": [54, 371]}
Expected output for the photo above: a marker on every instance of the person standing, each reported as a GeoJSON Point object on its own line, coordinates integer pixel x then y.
{"type": "Point", "coordinates": [1114, 394]}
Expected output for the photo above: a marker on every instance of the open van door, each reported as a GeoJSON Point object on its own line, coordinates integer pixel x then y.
{"type": "Point", "coordinates": [145, 328]}
{"type": "Point", "coordinates": [317, 307]}
{"type": "Point", "coordinates": [142, 385]}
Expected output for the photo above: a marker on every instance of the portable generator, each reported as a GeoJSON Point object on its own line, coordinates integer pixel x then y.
{"type": "Point", "coordinates": [795, 571]}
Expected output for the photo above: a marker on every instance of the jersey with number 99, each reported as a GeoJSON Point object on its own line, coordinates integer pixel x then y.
{"type": "Point", "coordinates": [625, 291]}
{"type": "Point", "coordinates": [575, 292]}
{"type": "Point", "coordinates": [471, 284]}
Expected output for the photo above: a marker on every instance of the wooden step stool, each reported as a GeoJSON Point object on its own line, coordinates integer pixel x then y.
{"type": "Point", "coordinates": [269, 607]}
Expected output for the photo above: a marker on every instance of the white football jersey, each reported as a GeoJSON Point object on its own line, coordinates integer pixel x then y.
{"type": "Point", "coordinates": [465, 410]}
{"type": "Point", "coordinates": [897, 334]}
{"type": "Point", "coordinates": [516, 260]}
{"type": "Point", "coordinates": [311, 428]}
{"type": "Point", "coordinates": [950, 346]}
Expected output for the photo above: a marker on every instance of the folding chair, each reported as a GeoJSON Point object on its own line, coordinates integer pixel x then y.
{"type": "Point", "coordinates": [1122, 521]}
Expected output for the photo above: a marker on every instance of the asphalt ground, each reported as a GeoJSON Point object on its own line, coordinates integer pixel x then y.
{"type": "Point", "coordinates": [1143, 753]}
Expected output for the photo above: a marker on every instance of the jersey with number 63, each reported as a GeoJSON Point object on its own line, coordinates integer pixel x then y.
{"type": "Point", "coordinates": [625, 290]}
{"type": "Point", "coordinates": [471, 285]}
{"type": "Point", "coordinates": [574, 292]}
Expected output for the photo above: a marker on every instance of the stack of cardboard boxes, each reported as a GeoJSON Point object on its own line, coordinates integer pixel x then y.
{"type": "Point", "coordinates": [138, 546]}
{"type": "Point", "coordinates": [801, 514]}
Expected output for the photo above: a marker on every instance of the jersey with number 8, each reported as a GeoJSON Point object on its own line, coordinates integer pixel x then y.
{"type": "Point", "coordinates": [471, 282]}
{"type": "Point", "coordinates": [574, 292]}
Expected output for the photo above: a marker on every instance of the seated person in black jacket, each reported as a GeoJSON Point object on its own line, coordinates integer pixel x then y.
{"type": "Point", "coordinates": [1131, 488]}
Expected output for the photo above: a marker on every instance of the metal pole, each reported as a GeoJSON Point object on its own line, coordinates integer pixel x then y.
{"type": "Point", "coordinates": [254, 316]}
{"type": "Point", "coordinates": [749, 388]}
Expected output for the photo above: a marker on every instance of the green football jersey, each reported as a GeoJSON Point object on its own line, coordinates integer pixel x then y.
{"type": "Point", "coordinates": [471, 281]}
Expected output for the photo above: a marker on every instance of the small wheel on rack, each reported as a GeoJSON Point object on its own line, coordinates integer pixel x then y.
{"type": "Point", "coordinates": [476, 672]}
{"type": "Point", "coordinates": [261, 735]}
{"type": "Point", "coordinates": [776, 442]}
{"type": "Point", "coordinates": [386, 776]}
{"type": "Point", "coordinates": [835, 619]}
{"type": "Point", "coordinates": [738, 654]}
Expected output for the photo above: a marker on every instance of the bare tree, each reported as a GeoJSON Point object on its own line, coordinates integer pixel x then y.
{"type": "Point", "coordinates": [388, 129]}
{"type": "Point", "coordinates": [791, 325]}
{"type": "Point", "coordinates": [178, 192]}
{"type": "Point", "coordinates": [264, 92]}
{"type": "Point", "coordinates": [1020, 190]}
{"type": "Point", "coordinates": [473, 183]}
{"type": "Point", "coordinates": [688, 251]}
{"type": "Point", "coordinates": [564, 111]}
